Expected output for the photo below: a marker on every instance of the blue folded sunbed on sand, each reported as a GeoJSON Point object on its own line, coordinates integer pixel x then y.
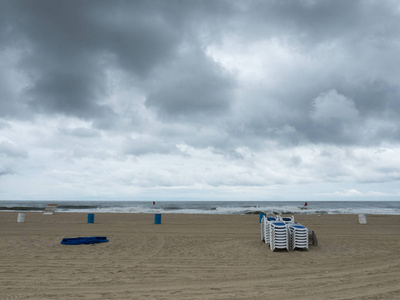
{"type": "Point", "coordinates": [84, 240]}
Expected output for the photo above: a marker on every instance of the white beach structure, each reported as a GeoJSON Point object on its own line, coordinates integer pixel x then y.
{"type": "Point", "coordinates": [50, 209]}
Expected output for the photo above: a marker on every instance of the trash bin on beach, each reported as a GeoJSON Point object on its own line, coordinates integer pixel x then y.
{"type": "Point", "coordinates": [362, 218]}
{"type": "Point", "coordinates": [157, 219]}
{"type": "Point", "coordinates": [21, 218]}
{"type": "Point", "coordinates": [90, 218]}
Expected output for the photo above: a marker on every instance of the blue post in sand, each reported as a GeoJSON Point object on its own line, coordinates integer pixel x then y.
{"type": "Point", "coordinates": [157, 219]}
{"type": "Point", "coordinates": [90, 218]}
{"type": "Point", "coordinates": [261, 216]}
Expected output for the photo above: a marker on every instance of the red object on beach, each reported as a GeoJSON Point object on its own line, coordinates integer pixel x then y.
{"type": "Point", "coordinates": [154, 203]}
{"type": "Point", "coordinates": [305, 204]}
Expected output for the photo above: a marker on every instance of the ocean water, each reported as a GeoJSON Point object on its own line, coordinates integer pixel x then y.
{"type": "Point", "coordinates": [211, 207]}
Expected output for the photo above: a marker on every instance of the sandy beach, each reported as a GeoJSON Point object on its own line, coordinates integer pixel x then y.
{"type": "Point", "coordinates": [195, 257]}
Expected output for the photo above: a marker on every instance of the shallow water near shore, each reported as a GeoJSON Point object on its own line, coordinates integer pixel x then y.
{"type": "Point", "coordinates": [212, 207]}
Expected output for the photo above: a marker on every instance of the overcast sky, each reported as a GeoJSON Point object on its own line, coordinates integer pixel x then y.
{"type": "Point", "coordinates": [200, 100]}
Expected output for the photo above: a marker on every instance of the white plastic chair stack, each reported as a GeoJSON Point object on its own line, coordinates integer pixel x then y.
{"type": "Point", "coordinates": [279, 236]}
{"type": "Point", "coordinates": [267, 228]}
{"type": "Point", "coordinates": [263, 227]}
{"type": "Point", "coordinates": [298, 236]}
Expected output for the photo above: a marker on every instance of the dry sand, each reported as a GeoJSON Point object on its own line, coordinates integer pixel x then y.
{"type": "Point", "coordinates": [195, 257]}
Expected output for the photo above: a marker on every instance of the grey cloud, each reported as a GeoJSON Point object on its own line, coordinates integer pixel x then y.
{"type": "Point", "coordinates": [188, 94]}
{"type": "Point", "coordinates": [191, 87]}
{"type": "Point", "coordinates": [69, 45]}
{"type": "Point", "coordinates": [147, 145]}
{"type": "Point", "coordinates": [347, 46]}
{"type": "Point", "coordinates": [4, 125]}
{"type": "Point", "coordinates": [375, 98]}
{"type": "Point", "coordinates": [10, 85]}
{"type": "Point", "coordinates": [336, 119]}
{"type": "Point", "coordinates": [12, 150]}
{"type": "Point", "coordinates": [5, 171]}
{"type": "Point", "coordinates": [67, 49]}
{"type": "Point", "coordinates": [81, 132]}
{"type": "Point", "coordinates": [59, 92]}
{"type": "Point", "coordinates": [326, 117]}
{"type": "Point", "coordinates": [332, 107]}
{"type": "Point", "coordinates": [318, 22]}
{"type": "Point", "coordinates": [7, 102]}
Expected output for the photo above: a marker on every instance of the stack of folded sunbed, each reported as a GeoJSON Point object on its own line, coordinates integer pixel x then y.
{"type": "Point", "coordinates": [279, 236]}
{"type": "Point", "coordinates": [263, 228]}
{"type": "Point", "coordinates": [266, 227]}
{"type": "Point", "coordinates": [298, 236]}
{"type": "Point", "coordinates": [283, 233]}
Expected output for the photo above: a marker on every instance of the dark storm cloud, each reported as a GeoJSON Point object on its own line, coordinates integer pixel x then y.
{"type": "Point", "coordinates": [315, 22]}
{"type": "Point", "coordinates": [362, 38]}
{"type": "Point", "coordinates": [69, 45]}
{"type": "Point", "coordinates": [66, 48]}
{"type": "Point", "coordinates": [375, 98]}
{"type": "Point", "coordinates": [191, 87]}
{"type": "Point", "coordinates": [183, 93]}
{"type": "Point", "coordinates": [8, 105]}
